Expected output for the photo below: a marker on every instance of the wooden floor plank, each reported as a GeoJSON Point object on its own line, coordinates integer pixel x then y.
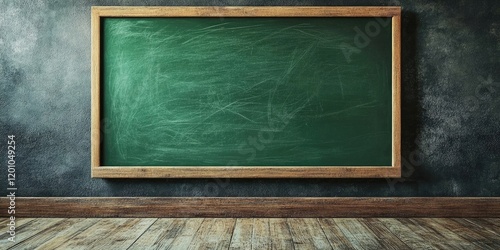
{"type": "Point", "coordinates": [93, 233]}
{"type": "Point", "coordinates": [427, 234]}
{"type": "Point", "coordinates": [385, 237]}
{"type": "Point", "coordinates": [242, 234]}
{"type": "Point", "coordinates": [213, 234]}
{"type": "Point", "coordinates": [280, 235]}
{"type": "Point", "coordinates": [160, 235]}
{"type": "Point", "coordinates": [126, 234]}
{"type": "Point", "coordinates": [468, 234]}
{"type": "Point", "coordinates": [187, 233]}
{"type": "Point", "coordinates": [199, 236]}
{"type": "Point", "coordinates": [47, 233]}
{"type": "Point", "coordinates": [405, 234]}
{"type": "Point", "coordinates": [305, 234]}
{"type": "Point", "coordinates": [357, 233]}
{"type": "Point", "coordinates": [260, 234]}
{"type": "Point", "coordinates": [334, 235]}
{"type": "Point", "coordinates": [490, 223]}
{"type": "Point", "coordinates": [219, 236]}
{"type": "Point", "coordinates": [121, 232]}
{"type": "Point", "coordinates": [445, 234]}
{"type": "Point", "coordinates": [68, 234]}
{"type": "Point", "coordinates": [479, 229]}
{"type": "Point", "coordinates": [494, 220]}
{"type": "Point", "coordinates": [28, 229]}
{"type": "Point", "coordinates": [485, 228]}
{"type": "Point", "coordinates": [21, 223]}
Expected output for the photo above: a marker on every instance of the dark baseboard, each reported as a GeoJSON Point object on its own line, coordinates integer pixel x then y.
{"type": "Point", "coordinates": [253, 207]}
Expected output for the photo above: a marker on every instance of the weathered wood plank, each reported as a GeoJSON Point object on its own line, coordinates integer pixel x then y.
{"type": "Point", "coordinates": [490, 223]}
{"type": "Point", "coordinates": [260, 234]}
{"type": "Point", "coordinates": [427, 234]}
{"type": "Point", "coordinates": [280, 235]}
{"type": "Point", "coordinates": [294, 233]}
{"type": "Point", "coordinates": [47, 233]}
{"type": "Point", "coordinates": [445, 234]}
{"type": "Point", "coordinates": [68, 234]}
{"type": "Point", "coordinates": [160, 235]}
{"type": "Point", "coordinates": [305, 234]}
{"type": "Point", "coordinates": [186, 235]}
{"type": "Point", "coordinates": [124, 235]}
{"type": "Point", "coordinates": [20, 224]}
{"type": "Point", "coordinates": [486, 228]}
{"type": "Point", "coordinates": [495, 220]}
{"type": "Point", "coordinates": [242, 234]}
{"type": "Point", "coordinates": [197, 241]}
{"type": "Point", "coordinates": [405, 234]}
{"type": "Point", "coordinates": [468, 234]}
{"type": "Point", "coordinates": [251, 207]}
{"type": "Point", "coordinates": [219, 236]}
{"type": "Point", "coordinates": [214, 233]}
{"type": "Point", "coordinates": [332, 232]}
{"type": "Point", "coordinates": [27, 230]}
{"type": "Point", "coordinates": [358, 234]}
{"type": "Point", "coordinates": [107, 232]}
{"type": "Point", "coordinates": [385, 237]}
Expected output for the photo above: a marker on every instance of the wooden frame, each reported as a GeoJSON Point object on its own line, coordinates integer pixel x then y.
{"type": "Point", "coordinates": [239, 171]}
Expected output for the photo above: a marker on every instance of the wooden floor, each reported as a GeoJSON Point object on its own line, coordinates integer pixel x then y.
{"type": "Point", "coordinates": [227, 233]}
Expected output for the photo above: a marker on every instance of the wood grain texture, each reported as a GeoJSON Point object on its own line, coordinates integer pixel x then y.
{"type": "Point", "coordinates": [95, 123]}
{"type": "Point", "coordinates": [446, 234]}
{"type": "Point", "coordinates": [260, 234]}
{"type": "Point", "coordinates": [305, 234]}
{"type": "Point", "coordinates": [279, 234]}
{"type": "Point", "coordinates": [478, 227]}
{"type": "Point", "coordinates": [404, 233]}
{"type": "Point", "coordinates": [98, 171]}
{"type": "Point", "coordinates": [380, 232]}
{"type": "Point", "coordinates": [48, 233]}
{"type": "Point", "coordinates": [64, 234]}
{"type": "Point", "coordinates": [34, 226]}
{"type": "Point", "coordinates": [396, 92]}
{"type": "Point", "coordinates": [247, 172]}
{"type": "Point", "coordinates": [358, 234]}
{"type": "Point", "coordinates": [242, 234]}
{"type": "Point", "coordinates": [217, 233]}
{"type": "Point", "coordinates": [255, 207]}
{"type": "Point", "coordinates": [427, 234]}
{"type": "Point", "coordinates": [160, 235]}
{"type": "Point", "coordinates": [21, 224]}
{"type": "Point", "coordinates": [468, 234]}
{"type": "Point", "coordinates": [247, 11]}
{"type": "Point", "coordinates": [110, 234]}
{"type": "Point", "coordinates": [334, 235]}
{"type": "Point", "coordinates": [187, 233]}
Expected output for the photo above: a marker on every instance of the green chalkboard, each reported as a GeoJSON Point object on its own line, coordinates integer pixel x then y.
{"type": "Point", "coordinates": [253, 91]}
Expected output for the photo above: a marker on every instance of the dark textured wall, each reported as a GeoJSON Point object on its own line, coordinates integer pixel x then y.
{"type": "Point", "coordinates": [450, 105]}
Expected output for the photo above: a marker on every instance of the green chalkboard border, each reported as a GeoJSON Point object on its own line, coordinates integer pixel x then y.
{"type": "Point", "coordinates": [99, 171]}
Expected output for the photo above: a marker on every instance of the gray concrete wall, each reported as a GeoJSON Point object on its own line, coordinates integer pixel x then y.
{"type": "Point", "coordinates": [450, 105]}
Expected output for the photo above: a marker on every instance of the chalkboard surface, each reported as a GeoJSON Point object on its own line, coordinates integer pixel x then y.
{"type": "Point", "coordinates": [245, 92]}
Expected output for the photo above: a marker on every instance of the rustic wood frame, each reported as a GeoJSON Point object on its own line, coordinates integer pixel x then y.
{"type": "Point", "coordinates": [246, 171]}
